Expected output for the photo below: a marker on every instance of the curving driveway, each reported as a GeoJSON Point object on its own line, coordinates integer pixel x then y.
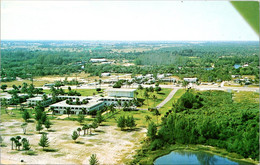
{"type": "Point", "coordinates": [168, 98]}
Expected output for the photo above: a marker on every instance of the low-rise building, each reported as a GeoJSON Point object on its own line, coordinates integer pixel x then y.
{"type": "Point", "coordinates": [114, 100]}
{"type": "Point", "coordinates": [160, 76]}
{"type": "Point", "coordinates": [168, 79]}
{"type": "Point", "coordinates": [94, 103]}
{"type": "Point", "coordinates": [149, 76]}
{"type": "Point", "coordinates": [61, 107]}
{"type": "Point", "coordinates": [98, 60]}
{"type": "Point", "coordinates": [35, 100]}
{"type": "Point", "coordinates": [118, 92]}
{"type": "Point", "coordinates": [105, 74]}
{"type": "Point", "coordinates": [191, 80]}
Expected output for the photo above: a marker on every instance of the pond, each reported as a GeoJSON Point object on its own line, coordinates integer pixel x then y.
{"type": "Point", "coordinates": [236, 66]}
{"type": "Point", "coordinates": [192, 158]}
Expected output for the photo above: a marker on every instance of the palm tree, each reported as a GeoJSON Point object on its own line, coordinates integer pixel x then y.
{"type": "Point", "coordinates": [112, 108]}
{"type": "Point", "coordinates": [4, 104]}
{"type": "Point", "coordinates": [184, 84]}
{"type": "Point", "coordinates": [52, 109]}
{"type": "Point", "coordinates": [79, 129]}
{"type": "Point", "coordinates": [119, 103]}
{"type": "Point", "coordinates": [12, 139]}
{"type": "Point", "coordinates": [125, 104]}
{"type": "Point", "coordinates": [157, 113]}
{"type": "Point", "coordinates": [85, 126]}
{"type": "Point", "coordinates": [148, 118]}
{"type": "Point", "coordinates": [17, 142]}
{"type": "Point", "coordinates": [146, 95]}
{"type": "Point", "coordinates": [136, 93]}
{"type": "Point", "coordinates": [84, 111]}
{"type": "Point", "coordinates": [100, 82]}
{"type": "Point", "coordinates": [90, 126]}
{"type": "Point", "coordinates": [94, 124]}
{"type": "Point", "coordinates": [68, 111]}
{"type": "Point", "coordinates": [96, 83]}
{"type": "Point", "coordinates": [154, 99]}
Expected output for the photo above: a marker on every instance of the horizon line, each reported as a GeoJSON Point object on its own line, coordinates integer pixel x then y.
{"type": "Point", "coordinates": [133, 40]}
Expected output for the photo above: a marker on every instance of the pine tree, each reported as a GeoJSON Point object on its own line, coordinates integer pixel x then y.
{"type": "Point", "coordinates": [39, 126]}
{"type": "Point", "coordinates": [26, 115]}
{"type": "Point", "coordinates": [75, 135]}
{"type": "Point", "coordinates": [44, 141]}
{"type": "Point", "coordinates": [121, 122]}
{"type": "Point", "coordinates": [26, 144]}
{"type": "Point", "coordinates": [99, 117]}
{"type": "Point", "coordinates": [47, 124]}
{"type": "Point", "coordinates": [93, 160]}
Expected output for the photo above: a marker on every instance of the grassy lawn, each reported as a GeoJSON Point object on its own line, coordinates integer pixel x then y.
{"type": "Point", "coordinates": [139, 117]}
{"type": "Point", "coordinates": [83, 92]}
{"type": "Point", "coordinates": [168, 105]}
{"type": "Point", "coordinates": [153, 103]}
{"type": "Point", "coordinates": [246, 96]}
{"type": "Point", "coordinates": [16, 114]}
{"type": "Point", "coordinates": [17, 83]}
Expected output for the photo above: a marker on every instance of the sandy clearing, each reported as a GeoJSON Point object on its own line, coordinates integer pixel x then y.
{"type": "Point", "coordinates": [109, 143]}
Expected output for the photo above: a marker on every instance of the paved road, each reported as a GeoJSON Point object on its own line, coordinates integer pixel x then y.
{"type": "Point", "coordinates": [168, 98]}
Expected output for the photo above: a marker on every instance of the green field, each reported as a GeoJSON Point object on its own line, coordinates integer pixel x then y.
{"type": "Point", "coordinates": [246, 96]}
{"type": "Point", "coordinates": [17, 83]}
{"type": "Point", "coordinates": [153, 103]}
{"type": "Point", "coordinates": [139, 117]}
{"type": "Point", "coordinates": [83, 92]}
{"type": "Point", "coordinates": [168, 105]}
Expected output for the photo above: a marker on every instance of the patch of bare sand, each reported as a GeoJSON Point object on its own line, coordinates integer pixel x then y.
{"type": "Point", "coordinates": [109, 143]}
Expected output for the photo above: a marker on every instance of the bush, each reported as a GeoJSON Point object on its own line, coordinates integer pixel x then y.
{"type": "Point", "coordinates": [156, 144]}
{"type": "Point", "coordinates": [30, 153]}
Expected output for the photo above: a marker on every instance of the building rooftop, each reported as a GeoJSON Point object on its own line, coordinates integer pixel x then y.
{"type": "Point", "coordinates": [118, 98]}
{"type": "Point", "coordinates": [120, 90]}
{"type": "Point", "coordinates": [38, 98]}
{"type": "Point", "coordinates": [88, 105]}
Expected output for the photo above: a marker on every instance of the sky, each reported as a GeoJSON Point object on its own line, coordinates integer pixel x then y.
{"type": "Point", "coordinates": [123, 20]}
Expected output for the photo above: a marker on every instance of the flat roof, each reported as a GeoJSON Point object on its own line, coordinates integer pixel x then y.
{"type": "Point", "coordinates": [120, 90]}
{"type": "Point", "coordinates": [118, 98]}
{"type": "Point", "coordinates": [64, 104]}
{"type": "Point", "coordinates": [38, 98]}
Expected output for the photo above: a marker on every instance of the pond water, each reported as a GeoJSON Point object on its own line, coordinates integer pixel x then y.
{"type": "Point", "coordinates": [236, 66]}
{"type": "Point", "coordinates": [192, 158]}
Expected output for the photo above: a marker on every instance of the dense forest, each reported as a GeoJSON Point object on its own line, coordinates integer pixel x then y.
{"type": "Point", "coordinates": [209, 118]}
{"type": "Point", "coordinates": [209, 61]}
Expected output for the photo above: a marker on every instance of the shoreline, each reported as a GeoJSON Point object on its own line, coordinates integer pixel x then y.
{"type": "Point", "coordinates": [153, 155]}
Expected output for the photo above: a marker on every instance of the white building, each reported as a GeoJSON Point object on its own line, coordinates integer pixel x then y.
{"type": "Point", "coordinates": [190, 80]}
{"type": "Point", "coordinates": [95, 103]}
{"type": "Point", "coordinates": [160, 76]}
{"type": "Point", "coordinates": [149, 76]}
{"type": "Point", "coordinates": [61, 107]}
{"type": "Point", "coordinates": [114, 100]}
{"type": "Point", "coordinates": [105, 74]}
{"type": "Point", "coordinates": [168, 79]}
{"type": "Point", "coordinates": [98, 60]}
{"type": "Point", "coordinates": [35, 100]}
{"type": "Point", "coordinates": [118, 92]}
{"type": "Point", "coordinates": [139, 77]}
{"type": "Point", "coordinates": [109, 81]}
{"type": "Point", "coordinates": [168, 74]}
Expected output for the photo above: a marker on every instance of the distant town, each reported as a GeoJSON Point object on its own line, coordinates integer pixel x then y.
{"type": "Point", "coordinates": [69, 102]}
